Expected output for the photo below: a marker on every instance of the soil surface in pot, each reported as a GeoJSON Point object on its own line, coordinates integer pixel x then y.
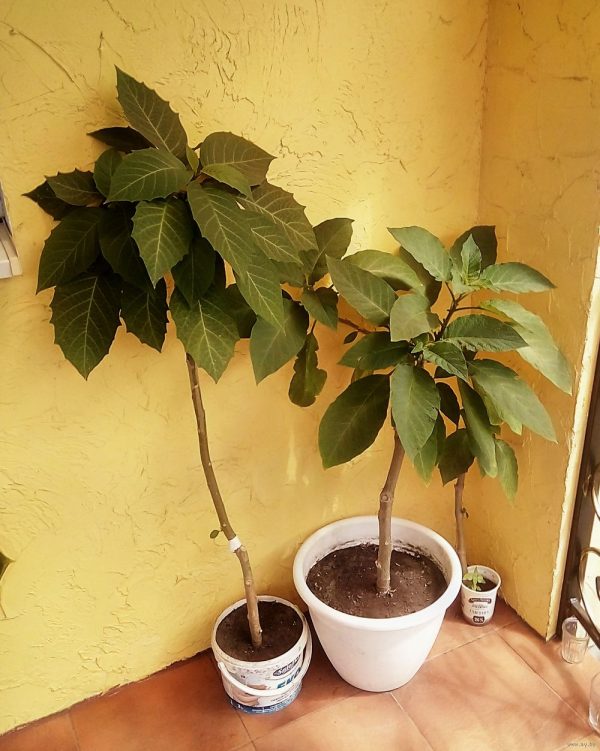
{"type": "Point", "coordinates": [486, 586]}
{"type": "Point", "coordinates": [281, 627]}
{"type": "Point", "coordinates": [346, 580]}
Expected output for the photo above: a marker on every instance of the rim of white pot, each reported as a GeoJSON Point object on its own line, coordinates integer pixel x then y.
{"type": "Point", "coordinates": [490, 573]}
{"type": "Point", "coordinates": [378, 624]}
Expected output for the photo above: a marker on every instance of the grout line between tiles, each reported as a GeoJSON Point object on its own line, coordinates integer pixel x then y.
{"type": "Point", "coordinates": [407, 713]}
{"type": "Point", "coordinates": [73, 731]}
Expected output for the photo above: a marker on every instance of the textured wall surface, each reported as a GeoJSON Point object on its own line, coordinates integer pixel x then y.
{"type": "Point", "coordinates": [540, 179]}
{"type": "Point", "coordinates": [374, 110]}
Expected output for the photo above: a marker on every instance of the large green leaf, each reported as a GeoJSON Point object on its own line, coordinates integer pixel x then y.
{"type": "Point", "coordinates": [206, 331]}
{"type": "Point", "coordinates": [194, 274]}
{"type": "Point", "coordinates": [145, 313]}
{"type": "Point", "coordinates": [119, 248]}
{"type": "Point", "coordinates": [508, 470]}
{"type": "Point", "coordinates": [351, 423]}
{"type": "Point", "coordinates": [46, 199]}
{"type": "Point", "coordinates": [230, 176]}
{"type": "Point", "coordinates": [272, 240]}
{"type": "Point", "coordinates": [148, 174]}
{"type": "Point", "coordinates": [258, 282]}
{"type": "Point", "coordinates": [411, 316]}
{"type": "Point", "coordinates": [483, 333]}
{"type": "Point", "coordinates": [163, 232]}
{"type": "Point", "coordinates": [122, 139]}
{"type": "Point", "coordinates": [479, 430]}
{"type": "Point", "coordinates": [308, 379]}
{"type": "Point", "coordinates": [514, 277]}
{"type": "Point", "coordinates": [375, 351]}
{"type": "Point", "coordinates": [391, 268]}
{"type": "Point", "coordinates": [150, 115]}
{"type": "Point", "coordinates": [485, 239]}
{"type": "Point", "coordinates": [415, 406]}
{"type": "Point", "coordinates": [428, 457]}
{"type": "Point", "coordinates": [426, 249]}
{"type": "Point", "coordinates": [333, 238]}
{"type": "Point", "coordinates": [76, 188]}
{"type": "Point", "coordinates": [321, 304]}
{"type": "Point", "coordinates": [511, 397]}
{"type": "Point", "coordinates": [456, 457]}
{"type": "Point", "coordinates": [447, 356]}
{"type": "Point", "coordinates": [541, 351]}
{"type": "Point", "coordinates": [272, 346]}
{"type": "Point", "coordinates": [470, 261]}
{"type": "Point", "coordinates": [228, 150]}
{"type": "Point", "coordinates": [370, 296]}
{"type": "Point", "coordinates": [234, 305]}
{"type": "Point", "coordinates": [71, 248]}
{"type": "Point", "coordinates": [85, 315]}
{"type": "Point", "coordinates": [105, 166]}
{"type": "Point", "coordinates": [449, 405]}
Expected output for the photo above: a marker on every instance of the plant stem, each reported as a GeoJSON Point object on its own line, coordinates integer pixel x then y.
{"type": "Point", "coordinates": [386, 500]}
{"type": "Point", "coordinates": [451, 311]}
{"type": "Point", "coordinates": [354, 326]}
{"type": "Point", "coordinates": [459, 516]}
{"type": "Point", "coordinates": [217, 499]}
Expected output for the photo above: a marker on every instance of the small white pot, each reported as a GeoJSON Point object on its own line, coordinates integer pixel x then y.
{"type": "Point", "coordinates": [376, 654]}
{"type": "Point", "coordinates": [268, 685]}
{"type": "Point", "coordinates": [478, 607]}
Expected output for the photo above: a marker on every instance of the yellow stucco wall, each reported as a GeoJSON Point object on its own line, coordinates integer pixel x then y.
{"type": "Point", "coordinates": [539, 185]}
{"type": "Point", "coordinates": [375, 112]}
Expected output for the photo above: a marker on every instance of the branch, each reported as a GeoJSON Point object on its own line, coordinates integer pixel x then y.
{"type": "Point", "coordinates": [354, 326]}
{"type": "Point", "coordinates": [459, 517]}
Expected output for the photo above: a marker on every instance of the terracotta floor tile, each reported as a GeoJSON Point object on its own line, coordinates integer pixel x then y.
{"type": "Point", "coordinates": [52, 734]}
{"type": "Point", "coordinates": [360, 723]}
{"type": "Point", "coordinates": [321, 687]}
{"type": "Point", "coordinates": [180, 709]}
{"type": "Point", "coordinates": [456, 631]}
{"type": "Point", "coordinates": [483, 696]}
{"type": "Point", "coordinates": [571, 682]}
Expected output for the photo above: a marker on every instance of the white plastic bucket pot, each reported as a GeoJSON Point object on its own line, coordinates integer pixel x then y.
{"type": "Point", "coordinates": [377, 654]}
{"type": "Point", "coordinates": [267, 685]}
{"type": "Point", "coordinates": [478, 607]}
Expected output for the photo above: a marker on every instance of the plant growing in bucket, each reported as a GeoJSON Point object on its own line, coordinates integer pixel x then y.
{"type": "Point", "coordinates": [157, 226]}
{"type": "Point", "coordinates": [434, 372]}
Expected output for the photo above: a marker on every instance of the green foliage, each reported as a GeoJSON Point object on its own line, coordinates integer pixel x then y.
{"type": "Point", "coordinates": [473, 579]}
{"type": "Point", "coordinates": [308, 379]}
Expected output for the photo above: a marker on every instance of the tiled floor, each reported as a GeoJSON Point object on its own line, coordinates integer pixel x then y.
{"type": "Point", "coordinates": [495, 688]}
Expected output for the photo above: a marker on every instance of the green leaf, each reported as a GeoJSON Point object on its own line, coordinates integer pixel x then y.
{"type": "Point", "coordinates": [541, 351]}
{"type": "Point", "coordinates": [122, 139]}
{"type": "Point", "coordinates": [508, 470]}
{"type": "Point", "coordinates": [483, 334]}
{"type": "Point", "coordinates": [145, 313]}
{"type": "Point", "coordinates": [479, 430]}
{"type": "Point", "coordinates": [426, 249]}
{"type": "Point", "coordinates": [151, 115]}
{"type": "Point", "coordinates": [321, 304]}
{"type": "Point", "coordinates": [239, 310]}
{"type": "Point", "coordinates": [46, 199]}
{"type": "Point", "coordinates": [429, 286]}
{"type": "Point", "coordinates": [215, 533]}
{"type": "Point", "coordinates": [447, 356]}
{"type": "Point", "coordinates": [456, 457]}
{"type": "Point", "coordinates": [71, 248]}
{"type": "Point", "coordinates": [333, 238]}
{"type": "Point", "coordinates": [471, 261]}
{"type": "Point", "coordinates": [514, 277]}
{"type": "Point", "coordinates": [194, 274]}
{"type": "Point", "coordinates": [258, 282]}
{"type": "Point", "coordinates": [370, 296]}
{"type": "Point", "coordinates": [272, 346]}
{"type": "Point", "coordinates": [411, 316]}
{"type": "Point", "coordinates": [351, 423]}
{"type": "Point", "coordinates": [224, 151]}
{"type": "Point", "coordinates": [485, 239]}
{"type": "Point", "coordinates": [273, 241]}
{"type": "Point", "coordinates": [104, 169]}
{"type": "Point", "coordinates": [85, 315]}
{"type": "Point", "coordinates": [308, 379]}
{"type": "Point", "coordinates": [449, 405]}
{"type": "Point", "coordinates": [511, 397]}
{"type": "Point", "coordinates": [163, 232]}
{"type": "Point", "coordinates": [290, 273]}
{"type": "Point", "coordinates": [207, 333]}
{"type": "Point", "coordinates": [228, 175]}
{"type": "Point", "coordinates": [427, 458]}
{"type": "Point", "coordinates": [415, 405]}
{"type": "Point", "coordinates": [375, 351]}
{"type": "Point", "coordinates": [148, 174]}
{"type": "Point", "coordinates": [391, 268]}
{"type": "Point", "coordinates": [119, 248]}
{"type": "Point", "coordinates": [76, 188]}
{"type": "Point", "coordinates": [192, 159]}
{"type": "Point", "coordinates": [350, 337]}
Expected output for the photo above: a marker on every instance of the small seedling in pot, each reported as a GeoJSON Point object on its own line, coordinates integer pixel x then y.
{"type": "Point", "coordinates": [473, 579]}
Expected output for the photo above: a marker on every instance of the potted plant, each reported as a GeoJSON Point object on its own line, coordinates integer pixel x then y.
{"type": "Point", "coordinates": [408, 357]}
{"type": "Point", "coordinates": [156, 215]}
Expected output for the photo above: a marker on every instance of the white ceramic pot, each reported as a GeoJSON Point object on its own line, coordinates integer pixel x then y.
{"type": "Point", "coordinates": [377, 654]}
{"type": "Point", "coordinates": [478, 607]}
{"type": "Point", "coordinates": [268, 685]}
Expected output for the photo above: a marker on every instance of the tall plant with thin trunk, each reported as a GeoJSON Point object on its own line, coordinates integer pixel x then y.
{"type": "Point", "coordinates": [449, 399]}
{"type": "Point", "coordinates": [158, 226]}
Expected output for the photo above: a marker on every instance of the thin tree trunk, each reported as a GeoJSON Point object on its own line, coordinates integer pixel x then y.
{"type": "Point", "coordinates": [459, 516]}
{"type": "Point", "coordinates": [386, 500]}
{"type": "Point", "coordinates": [215, 494]}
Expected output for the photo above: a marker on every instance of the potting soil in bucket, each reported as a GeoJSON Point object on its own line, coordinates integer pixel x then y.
{"type": "Point", "coordinates": [262, 681]}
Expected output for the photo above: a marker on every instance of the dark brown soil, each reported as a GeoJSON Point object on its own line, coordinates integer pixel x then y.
{"type": "Point", "coordinates": [346, 580]}
{"type": "Point", "coordinates": [281, 630]}
{"type": "Point", "coordinates": [485, 586]}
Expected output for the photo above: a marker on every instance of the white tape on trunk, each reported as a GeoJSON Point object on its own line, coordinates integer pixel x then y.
{"type": "Point", "coordinates": [234, 544]}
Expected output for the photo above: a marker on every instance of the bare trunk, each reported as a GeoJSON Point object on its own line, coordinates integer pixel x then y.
{"type": "Point", "coordinates": [459, 516]}
{"type": "Point", "coordinates": [386, 500]}
{"type": "Point", "coordinates": [215, 494]}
